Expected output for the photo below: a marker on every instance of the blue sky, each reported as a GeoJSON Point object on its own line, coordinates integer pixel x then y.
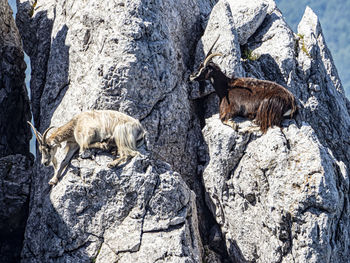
{"type": "Point", "coordinates": [13, 5]}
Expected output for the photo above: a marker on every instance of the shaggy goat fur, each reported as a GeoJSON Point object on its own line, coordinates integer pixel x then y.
{"type": "Point", "coordinates": [91, 129]}
{"type": "Point", "coordinates": [265, 102]}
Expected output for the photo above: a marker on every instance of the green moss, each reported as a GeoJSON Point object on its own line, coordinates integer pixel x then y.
{"type": "Point", "coordinates": [303, 47]}
{"type": "Point", "coordinates": [249, 55]}
{"type": "Point", "coordinates": [31, 12]}
{"type": "Point", "coordinates": [93, 260]}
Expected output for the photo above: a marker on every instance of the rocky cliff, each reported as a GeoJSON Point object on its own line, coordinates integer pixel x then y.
{"type": "Point", "coordinates": [283, 196]}
{"type": "Point", "coordinates": [130, 56]}
{"type": "Point", "coordinates": [199, 192]}
{"type": "Point", "coordinates": [15, 161]}
{"type": "Point", "coordinates": [14, 106]}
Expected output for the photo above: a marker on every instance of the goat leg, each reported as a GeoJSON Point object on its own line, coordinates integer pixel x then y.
{"type": "Point", "coordinates": [250, 129]}
{"type": "Point", "coordinates": [104, 145]}
{"type": "Point", "coordinates": [116, 162]}
{"type": "Point", "coordinates": [54, 180]}
{"type": "Point", "coordinates": [88, 153]}
{"type": "Point", "coordinates": [231, 123]}
{"type": "Point", "coordinates": [100, 145]}
{"type": "Point", "coordinates": [124, 157]}
{"type": "Point", "coordinates": [70, 151]}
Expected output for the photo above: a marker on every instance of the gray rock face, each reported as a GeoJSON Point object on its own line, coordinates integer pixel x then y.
{"type": "Point", "coordinates": [142, 212]}
{"type": "Point", "coordinates": [283, 196]}
{"type": "Point", "coordinates": [227, 26]}
{"type": "Point", "coordinates": [233, 22]}
{"type": "Point", "coordinates": [15, 177]}
{"type": "Point", "coordinates": [130, 56]}
{"type": "Point", "coordinates": [15, 164]}
{"type": "Point", "coordinates": [14, 104]}
{"type": "Point", "coordinates": [325, 105]}
{"type": "Point", "coordinates": [277, 197]}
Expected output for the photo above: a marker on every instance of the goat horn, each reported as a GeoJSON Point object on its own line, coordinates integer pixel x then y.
{"type": "Point", "coordinates": [210, 50]}
{"type": "Point", "coordinates": [193, 77]}
{"type": "Point", "coordinates": [206, 61]}
{"type": "Point", "coordinates": [45, 134]}
{"type": "Point", "coordinates": [36, 133]}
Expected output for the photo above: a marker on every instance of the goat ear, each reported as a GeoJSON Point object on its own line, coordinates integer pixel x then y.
{"type": "Point", "coordinates": [36, 133]}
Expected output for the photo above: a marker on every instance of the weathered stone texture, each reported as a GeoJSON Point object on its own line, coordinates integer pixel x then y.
{"type": "Point", "coordinates": [130, 56]}
{"type": "Point", "coordinates": [15, 177]}
{"type": "Point", "coordinates": [14, 104]}
{"type": "Point", "coordinates": [283, 196]}
{"type": "Point", "coordinates": [325, 106]}
{"type": "Point", "coordinates": [15, 164]}
{"type": "Point", "coordinates": [278, 197]}
{"type": "Point", "coordinates": [142, 212]}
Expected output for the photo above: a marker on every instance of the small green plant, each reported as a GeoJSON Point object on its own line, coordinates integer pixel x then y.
{"type": "Point", "coordinates": [249, 55]}
{"type": "Point", "coordinates": [31, 12]}
{"type": "Point", "coordinates": [93, 260]}
{"type": "Point", "coordinates": [303, 47]}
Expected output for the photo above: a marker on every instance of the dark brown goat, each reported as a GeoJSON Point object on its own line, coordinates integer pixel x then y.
{"type": "Point", "coordinates": [265, 102]}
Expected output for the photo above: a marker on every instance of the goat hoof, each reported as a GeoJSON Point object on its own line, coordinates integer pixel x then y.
{"type": "Point", "coordinates": [114, 164]}
{"type": "Point", "coordinates": [111, 165]}
{"type": "Point", "coordinates": [53, 182]}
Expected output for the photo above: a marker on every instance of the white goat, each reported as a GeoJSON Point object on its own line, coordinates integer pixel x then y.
{"type": "Point", "coordinates": [91, 129]}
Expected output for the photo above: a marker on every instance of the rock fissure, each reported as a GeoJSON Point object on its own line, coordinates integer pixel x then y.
{"type": "Point", "coordinates": [60, 91]}
{"type": "Point", "coordinates": [74, 250]}
{"type": "Point", "coordinates": [147, 209]}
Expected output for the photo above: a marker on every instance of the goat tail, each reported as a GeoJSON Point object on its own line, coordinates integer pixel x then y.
{"type": "Point", "coordinates": [127, 137]}
{"type": "Point", "coordinates": [270, 112]}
